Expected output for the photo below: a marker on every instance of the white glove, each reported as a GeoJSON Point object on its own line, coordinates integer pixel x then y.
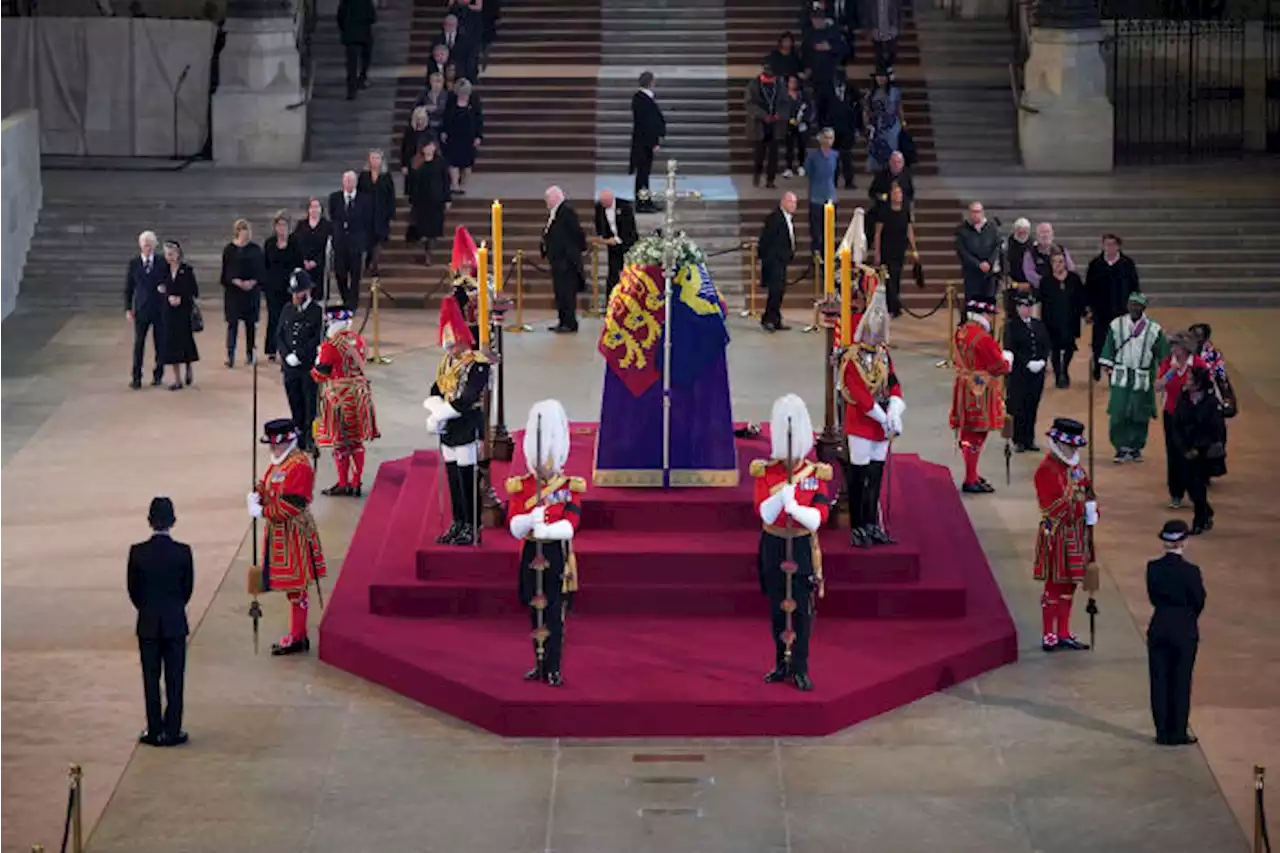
{"type": "Point", "coordinates": [877, 414]}
{"type": "Point", "coordinates": [292, 360]}
{"type": "Point", "coordinates": [1008, 358]}
{"type": "Point", "coordinates": [433, 404]}
{"type": "Point", "coordinates": [1036, 366]}
{"type": "Point", "coordinates": [807, 516]}
{"type": "Point", "coordinates": [772, 506]}
{"type": "Point", "coordinates": [522, 525]}
{"type": "Point", "coordinates": [559, 531]}
{"type": "Point", "coordinates": [893, 428]}
{"type": "Point", "coordinates": [897, 406]}
{"type": "Point", "coordinates": [1091, 513]}
{"type": "Point", "coordinates": [445, 412]}
{"type": "Point", "coordinates": [539, 514]}
{"type": "Point", "coordinates": [435, 425]}
{"type": "Point", "coordinates": [255, 505]}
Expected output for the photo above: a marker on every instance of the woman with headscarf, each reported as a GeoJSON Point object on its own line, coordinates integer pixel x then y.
{"type": "Point", "coordinates": [883, 120]}
{"type": "Point", "coordinates": [429, 197]}
{"type": "Point", "coordinates": [181, 292]}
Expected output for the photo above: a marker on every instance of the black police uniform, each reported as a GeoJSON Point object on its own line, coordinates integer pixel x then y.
{"type": "Point", "coordinates": [1176, 590]}
{"type": "Point", "coordinates": [300, 333]}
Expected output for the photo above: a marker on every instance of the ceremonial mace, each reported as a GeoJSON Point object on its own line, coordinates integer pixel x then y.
{"type": "Point", "coordinates": [539, 566]}
{"type": "Point", "coordinates": [789, 567]}
{"type": "Point", "coordinates": [255, 608]}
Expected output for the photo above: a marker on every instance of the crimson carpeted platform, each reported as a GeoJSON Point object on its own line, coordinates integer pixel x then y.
{"type": "Point", "coordinates": [670, 633]}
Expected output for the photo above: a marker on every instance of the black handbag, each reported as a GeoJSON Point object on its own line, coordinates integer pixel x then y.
{"type": "Point", "coordinates": [917, 272]}
{"type": "Point", "coordinates": [197, 318]}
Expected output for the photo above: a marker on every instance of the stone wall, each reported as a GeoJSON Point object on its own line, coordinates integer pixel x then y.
{"type": "Point", "coordinates": [20, 153]}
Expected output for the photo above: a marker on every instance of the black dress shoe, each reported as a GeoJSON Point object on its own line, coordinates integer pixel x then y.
{"type": "Point", "coordinates": [973, 489]}
{"type": "Point", "coordinates": [775, 675]}
{"type": "Point", "coordinates": [363, 83]}
{"type": "Point", "coordinates": [336, 491]}
{"type": "Point", "coordinates": [1072, 644]}
{"type": "Point", "coordinates": [880, 536]}
{"type": "Point", "coordinates": [1046, 646]}
{"type": "Point", "coordinates": [858, 538]}
{"type": "Point", "coordinates": [1185, 740]}
{"type": "Point", "coordinates": [449, 535]}
{"type": "Point", "coordinates": [986, 487]}
{"type": "Point", "coordinates": [296, 647]}
{"type": "Point", "coordinates": [177, 386]}
{"type": "Point", "coordinates": [151, 740]}
{"type": "Point", "coordinates": [554, 679]}
{"type": "Point", "coordinates": [1033, 447]}
{"type": "Point", "coordinates": [135, 384]}
{"type": "Point", "coordinates": [466, 536]}
{"type": "Point", "coordinates": [355, 491]}
{"type": "Point", "coordinates": [230, 362]}
{"type": "Point", "coordinates": [783, 327]}
{"type": "Point", "coordinates": [157, 381]}
{"type": "Point", "coordinates": [769, 327]}
{"type": "Point", "coordinates": [803, 683]}
{"type": "Point", "coordinates": [1020, 448]}
{"type": "Point", "coordinates": [176, 740]}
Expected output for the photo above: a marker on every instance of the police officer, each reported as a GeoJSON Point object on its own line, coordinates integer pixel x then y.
{"type": "Point", "coordinates": [1028, 340]}
{"type": "Point", "coordinates": [1176, 591]}
{"type": "Point", "coordinates": [298, 339]}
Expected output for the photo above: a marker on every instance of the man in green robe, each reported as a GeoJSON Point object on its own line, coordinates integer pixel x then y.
{"type": "Point", "coordinates": [1132, 353]}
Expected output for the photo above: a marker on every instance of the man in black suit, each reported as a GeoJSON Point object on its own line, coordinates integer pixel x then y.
{"type": "Point", "coordinates": [1028, 340]}
{"type": "Point", "coordinates": [616, 226]}
{"type": "Point", "coordinates": [160, 578]}
{"type": "Point", "coordinates": [351, 213]}
{"type": "Point", "coordinates": [846, 121]}
{"type": "Point", "coordinates": [298, 336]}
{"type": "Point", "coordinates": [355, 23]}
{"type": "Point", "coordinates": [776, 249]}
{"type": "Point", "coordinates": [1176, 591]}
{"type": "Point", "coordinates": [143, 305]}
{"type": "Point", "coordinates": [1111, 279]}
{"type": "Point", "coordinates": [463, 45]}
{"type": "Point", "coordinates": [563, 242]}
{"type": "Point", "coordinates": [648, 127]}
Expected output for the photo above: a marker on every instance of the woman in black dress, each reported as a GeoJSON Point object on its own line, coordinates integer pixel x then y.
{"type": "Point", "coordinates": [411, 141]}
{"type": "Point", "coordinates": [379, 184]}
{"type": "Point", "coordinates": [181, 293]}
{"type": "Point", "coordinates": [895, 235]}
{"type": "Point", "coordinates": [461, 134]}
{"type": "Point", "coordinates": [282, 257]}
{"type": "Point", "coordinates": [1061, 307]}
{"type": "Point", "coordinates": [429, 197]}
{"type": "Point", "coordinates": [1198, 433]}
{"type": "Point", "coordinates": [243, 269]}
{"type": "Point", "coordinates": [312, 235]}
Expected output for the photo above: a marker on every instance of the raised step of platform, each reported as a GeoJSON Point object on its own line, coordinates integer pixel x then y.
{"type": "Point", "coordinates": [669, 634]}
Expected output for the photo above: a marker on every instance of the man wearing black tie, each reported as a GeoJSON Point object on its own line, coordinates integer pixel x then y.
{"type": "Point", "coordinates": [355, 25]}
{"type": "Point", "coordinates": [464, 47]}
{"type": "Point", "coordinates": [352, 215]}
{"type": "Point", "coordinates": [160, 579]}
{"type": "Point", "coordinates": [143, 305]}
{"type": "Point", "coordinates": [648, 127]}
{"type": "Point", "coordinates": [776, 249]}
{"type": "Point", "coordinates": [1028, 340]}
{"type": "Point", "coordinates": [563, 242]}
{"type": "Point", "coordinates": [616, 226]}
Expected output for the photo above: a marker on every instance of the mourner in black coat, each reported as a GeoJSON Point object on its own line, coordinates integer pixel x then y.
{"type": "Point", "coordinates": [376, 182]}
{"type": "Point", "coordinates": [1062, 295]}
{"type": "Point", "coordinates": [430, 195]}
{"type": "Point", "coordinates": [1111, 279]}
{"type": "Point", "coordinates": [1028, 340]}
{"type": "Point", "coordinates": [1176, 591]}
{"type": "Point", "coordinates": [180, 292]}
{"type": "Point", "coordinates": [978, 248]}
{"type": "Point", "coordinates": [281, 261]}
{"type": "Point", "coordinates": [563, 242]}
{"type": "Point", "coordinates": [143, 305]}
{"type": "Point", "coordinates": [355, 24]}
{"type": "Point", "coordinates": [313, 235]}
{"type": "Point", "coordinates": [244, 270]}
{"type": "Point", "coordinates": [844, 116]}
{"type": "Point", "coordinates": [648, 127]}
{"type": "Point", "coordinates": [464, 47]}
{"type": "Point", "coordinates": [351, 213]}
{"type": "Point", "coordinates": [616, 226]}
{"type": "Point", "coordinates": [776, 248]}
{"type": "Point", "coordinates": [161, 575]}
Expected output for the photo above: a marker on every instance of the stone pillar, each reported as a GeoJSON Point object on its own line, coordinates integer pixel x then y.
{"type": "Point", "coordinates": [1066, 123]}
{"type": "Point", "coordinates": [1255, 86]}
{"type": "Point", "coordinates": [260, 77]}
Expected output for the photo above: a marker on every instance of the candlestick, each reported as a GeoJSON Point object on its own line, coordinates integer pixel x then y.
{"type": "Point", "coordinates": [497, 245]}
{"type": "Point", "coordinates": [482, 261]}
{"type": "Point", "coordinates": [829, 244]}
{"type": "Point", "coordinates": [846, 296]}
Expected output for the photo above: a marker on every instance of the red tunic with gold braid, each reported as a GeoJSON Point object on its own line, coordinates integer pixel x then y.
{"type": "Point", "coordinates": [977, 401]}
{"type": "Point", "coordinates": [866, 378]}
{"type": "Point", "coordinates": [1064, 544]}
{"type": "Point", "coordinates": [810, 479]}
{"type": "Point", "coordinates": [561, 498]}
{"type": "Point", "coordinates": [345, 414]}
{"type": "Point", "coordinates": [290, 543]}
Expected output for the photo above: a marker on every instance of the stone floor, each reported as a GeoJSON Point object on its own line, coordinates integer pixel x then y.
{"type": "Point", "coordinates": [1049, 754]}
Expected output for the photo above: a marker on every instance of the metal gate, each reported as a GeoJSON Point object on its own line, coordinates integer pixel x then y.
{"type": "Point", "coordinates": [1177, 86]}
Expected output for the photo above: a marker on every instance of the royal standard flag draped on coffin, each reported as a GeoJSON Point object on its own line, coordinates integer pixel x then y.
{"type": "Point", "coordinates": [632, 339]}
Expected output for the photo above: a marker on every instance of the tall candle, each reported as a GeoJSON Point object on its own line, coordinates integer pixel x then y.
{"type": "Point", "coordinates": [497, 245]}
{"type": "Point", "coordinates": [482, 261]}
{"type": "Point", "coordinates": [829, 241]}
{"type": "Point", "coordinates": [846, 296]}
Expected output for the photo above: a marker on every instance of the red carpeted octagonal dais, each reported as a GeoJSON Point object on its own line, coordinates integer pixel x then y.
{"type": "Point", "coordinates": [669, 635]}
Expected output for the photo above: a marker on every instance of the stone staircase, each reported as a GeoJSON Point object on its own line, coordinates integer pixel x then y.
{"type": "Point", "coordinates": [671, 33]}
{"type": "Point", "coordinates": [753, 28]}
{"type": "Point", "coordinates": [698, 125]}
{"type": "Point", "coordinates": [546, 33]}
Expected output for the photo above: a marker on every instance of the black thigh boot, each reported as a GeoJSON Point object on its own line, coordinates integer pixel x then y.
{"type": "Point", "coordinates": [455, 505]}
{"type": "Point", "coordinates": [858, 521]}
{"type": "Point", "coordinates": [468, 511]}
{"type": "Point", "coordinates": [875, 477]}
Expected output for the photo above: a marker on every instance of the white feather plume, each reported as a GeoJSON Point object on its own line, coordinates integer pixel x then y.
{"type": "Point", "coordinates": [791, 410]}
{"type": "Point", "coordinates": [555, 436]}
{"type": "Point", "coordinates": [855, 237]}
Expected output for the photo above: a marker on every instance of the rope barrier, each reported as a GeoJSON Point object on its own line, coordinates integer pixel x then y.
{"type": "Point", "coordinates": [934, 310]}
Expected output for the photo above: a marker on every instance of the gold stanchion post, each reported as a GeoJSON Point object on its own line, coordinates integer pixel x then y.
{"type": "Point", "coordinates": [595, 278]}
{"type": "Point", "coordinates": [37, 848]}
{"type": "Point", "coordinates": [377, 357]}
{"type": "Point", "coordinates": [76, 776]}
{"type": "Point", "coordinates": [753, 279]}
{"type": "Point", "coordinates": [817, 294]}
{"type": "Point", "coordinates": [519, 325]}
{"type": "Point", "coordinates": [952, 322]}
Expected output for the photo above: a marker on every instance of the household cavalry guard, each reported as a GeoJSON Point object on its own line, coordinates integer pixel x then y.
{"type": "Point", "coordinates": [977, 401]}
{"type": "Point", "coordinates": [291, 555]}
{"type": "Point", "coordinates": [346, 418]}
{"type": "Point", "coordinates": [791, 498]}
{"type": "Point", "coordinates": [544, 510]}
{"type": "Point", "coordinates": [873, 413]}
{"type": "Point", "coordinates": [1064, 540]}
{"type": "Point", "coordinates": [456, 413]}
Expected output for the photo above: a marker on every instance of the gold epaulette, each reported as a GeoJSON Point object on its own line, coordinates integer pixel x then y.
{"type": "Point", "coordinates": [823, 471]}
{"type": "Point", "coordinates": [577, 484]}
{"type": "Point", "coordinates": [515, 485]}
{"type": "Point", "coordinates": [759, 466]}
{"type": "Point", "coordinates": [475, 357]}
